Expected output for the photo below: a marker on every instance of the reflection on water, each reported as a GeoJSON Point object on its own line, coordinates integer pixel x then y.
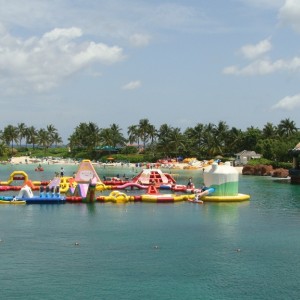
{"type": "Point", "coordinates": [224, 213]}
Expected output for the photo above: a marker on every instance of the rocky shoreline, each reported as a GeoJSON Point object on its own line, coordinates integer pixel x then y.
{"type": "Point", "coordinates": [265, 170]}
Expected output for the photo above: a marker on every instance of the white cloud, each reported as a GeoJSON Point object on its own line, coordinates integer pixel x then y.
{"type": "Point", "coordinates": [139, 40]}
{"type": "Point", "coordinates": [97, 52]}
{"type": "Point", "coordinates": [288, 103]}
{"type": "Point", "coordinates": [253, 51]}
{"type": "Point", "coordinates": [62, 33]}
{"type": "Point", "coordinates": [264, 67]}
{"type": "Point", "coordinates": [42, 63]}
{"type": "Point", "coordinates": [132, 85]}
{"type": "Point", "coordinates": [289, 14]}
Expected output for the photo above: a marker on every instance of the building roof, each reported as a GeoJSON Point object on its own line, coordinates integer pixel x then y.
{"type": "Point", "coordinates": [248, 153]}
{"type": "Point", "coordinates": [297, 147]}
{"type": "Point", "coordinates": [295, 150]}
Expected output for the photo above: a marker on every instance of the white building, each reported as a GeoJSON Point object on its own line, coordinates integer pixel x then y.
{"type": "Point", "coordinates": [244, 156]}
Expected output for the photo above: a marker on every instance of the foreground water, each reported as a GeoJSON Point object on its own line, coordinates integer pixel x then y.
{"type": "Point", "coordinates": [244, 250]}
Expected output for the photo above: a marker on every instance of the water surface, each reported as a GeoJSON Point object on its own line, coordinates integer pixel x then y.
{"type": "Point", "coordinates": [246, 250]}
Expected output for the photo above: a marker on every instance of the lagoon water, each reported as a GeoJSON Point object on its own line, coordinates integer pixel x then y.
{"type": "Point", "coordinates": [248, 250]}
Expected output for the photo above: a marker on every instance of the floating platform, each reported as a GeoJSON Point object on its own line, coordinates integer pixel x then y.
{"type": "Point", "coordinates": [14, 202]}
{"type": "Point", "coordinates": [153, 176]}
{"type": "Point", "coordinates": [44, 200]}
{"type": "Point", "coordinates": [154, 196]}
{"type": "Point", "coordinates": [163, 198]}
{"type": "Point", "coordinates": [237, 198]}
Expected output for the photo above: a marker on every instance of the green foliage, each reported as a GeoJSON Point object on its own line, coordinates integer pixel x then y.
{"type": "Point", "coordinates": [203, 141]}
{"type": "Point", "coordinates": [129, 150]}
{"type": "Point", "coordinates": [150, 157]}
{"type": "Point", "coordinates": [4, 150]}
{"type": "Point", "coordinates": [283, 165]}
{"type": "Point", "coordinates": [39, 153]}
{"type": "Point", "coordinates": [13, 152]}
{"type": "Point", "coordinates": [23, 150]}
{"type": "Point", "coordinates": [81, 155]}
{"type": "Point", "coordinates": [274, 164]}
{"type": "Point", "coordinates": [259, 161]}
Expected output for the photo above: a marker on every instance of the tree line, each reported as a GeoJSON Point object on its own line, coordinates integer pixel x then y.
{"type": "Point", "coordinates": [13, 136]}
{"type": "Point", "coordinates": [203, 141]}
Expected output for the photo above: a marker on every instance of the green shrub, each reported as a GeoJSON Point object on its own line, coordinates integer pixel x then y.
{"type": "Point", "coordinates": [259, 161]}
{"type": "Point", "coordinates": [129, 150]}
{"type": "Point", "coordinates": [274, 164]}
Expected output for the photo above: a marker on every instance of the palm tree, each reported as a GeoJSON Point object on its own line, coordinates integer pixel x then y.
{"type": "Point", "coordinates": [287, 127]}
{"type": "Point", "coordinates": [133, 134]}
{"type": "Point", "coordinates": [144, 131]}
{"type": "Point", "coordinates": [194, 140]}
{"type": "Point", "coordinates": [92, 132]}
{"type": "Point", "coordinates": [86, 135]}
{"type": "Point", "coordinates": [269, 130]}
{"type": "Point", "coordinates": [209, 146]}
{"type": "Point", "coordinates": [221, 130]}
{"type": "Point", "coordinates": [21, 129]}
{"type": "Point", "coordinates": [202, 140]}
{"type": "Point", "coordinates": [117, 136]}
{"type": "Point", "coordinates": [219, 137]}
{"type": "Point", "coordinates": [43, 139]}
{"type": "Point", "coordinates": [106, 137]}
{"type": "Point", "coordinates": [233, 141]}
{"type": "Point", "coordinates": [52, 131]}
{"type": "Point", "coordinates": [10, 135]}
{"type": "Point", "coordinates": [152, 132]}
{"type": "Point", "coordinates": [31, 136]}
{"type": "Point", "coordinates": [74, 140]}
{"type": "Point", "coordinates": [177, 141]}
{"type": "Point", "coordinates": [56, 139]}
{"type": "Point", "coordinates": [198, 132]}
{"type": "Point", "coordinates": [163, 142]}
{"type": "Point", "coordinates": [164, 131]}
{"type": "Point", "coordinates": [250, 138]}
{"type": "Point", "coordinates": [163, 146]}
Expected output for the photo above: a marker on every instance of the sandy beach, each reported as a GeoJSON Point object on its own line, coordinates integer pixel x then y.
{"type": "Point", "coordinates": [42, 161]}
{"type": "Point", "coordinates": [47, 161]}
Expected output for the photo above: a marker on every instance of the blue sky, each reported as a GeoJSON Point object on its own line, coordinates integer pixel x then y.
{"type": "Point", "coordinates": [64, 62]}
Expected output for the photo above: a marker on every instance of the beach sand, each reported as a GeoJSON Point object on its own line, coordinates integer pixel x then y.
{"type": "Point", "coordinates": [43, 161]}
{"type": "Point", "coordinates": [30, 160]}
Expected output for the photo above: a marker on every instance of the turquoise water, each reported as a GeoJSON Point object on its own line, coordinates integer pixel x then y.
{"type": "Point", "coordinates": [244, 250]}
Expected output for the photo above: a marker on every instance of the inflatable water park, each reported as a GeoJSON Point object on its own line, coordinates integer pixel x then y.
{"type": "Point", "coordinates": [225, 181]}
{"type": "Point", "coordinates": [150, 186]}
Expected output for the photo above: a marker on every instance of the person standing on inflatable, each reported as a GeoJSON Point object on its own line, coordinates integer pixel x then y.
{"type": "Point", "coordinates": [190, 183]}
{"type": "Point", "coordinates": [62, 171]}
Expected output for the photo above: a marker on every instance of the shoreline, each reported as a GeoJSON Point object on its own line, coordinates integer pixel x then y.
{"type": "Point", "coordinates": [31, 160]}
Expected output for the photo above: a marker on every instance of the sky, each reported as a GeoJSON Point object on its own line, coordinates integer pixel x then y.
{"type": "Point", "coordinates": [183, 62]}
